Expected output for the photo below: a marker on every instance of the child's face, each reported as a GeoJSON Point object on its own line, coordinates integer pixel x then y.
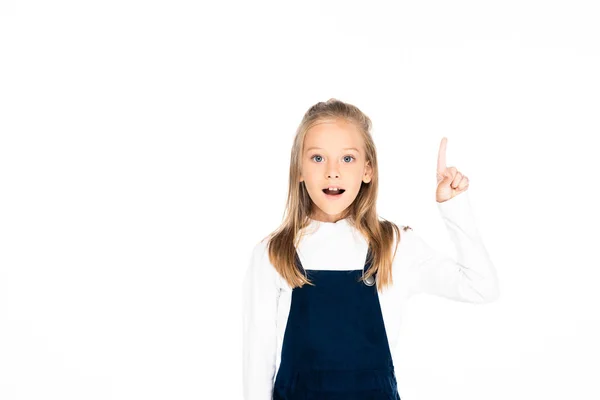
{"type": "Point", "coordinates": [333, 163]}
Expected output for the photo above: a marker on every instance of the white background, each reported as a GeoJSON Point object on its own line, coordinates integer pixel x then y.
{"type": "Point", "coordinates": [145, 147]}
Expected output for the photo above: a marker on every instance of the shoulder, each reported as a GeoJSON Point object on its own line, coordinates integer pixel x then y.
{"type": "Point", "coordinates": [260, 253]}
{"type": "Point", "coordinates": [408, 235]}
{"type": "Point", "coordinates": [392, 227]}
{"type": "Point", "coordinates": [406, 231]}
{"type": "Point", "coordinates": [402, 232]}
{"type": "Point", "coordinates": [406, 245]}
{"type": "Point", "coordinates": [260, 263]}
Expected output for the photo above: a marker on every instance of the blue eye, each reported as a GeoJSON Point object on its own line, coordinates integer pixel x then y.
{"type": "Point", "coordinates": [316, 155]}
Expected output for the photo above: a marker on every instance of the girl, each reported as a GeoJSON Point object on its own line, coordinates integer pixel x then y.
{"type": "Point", "coordinates": [324, 293]}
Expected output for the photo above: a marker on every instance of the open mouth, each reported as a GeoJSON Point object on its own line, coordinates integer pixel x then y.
{"type": "Point", "coordinates": [334, 192]}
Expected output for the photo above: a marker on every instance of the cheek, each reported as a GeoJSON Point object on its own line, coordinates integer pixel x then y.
{"type": "Point", "coordinates": [308, 168]}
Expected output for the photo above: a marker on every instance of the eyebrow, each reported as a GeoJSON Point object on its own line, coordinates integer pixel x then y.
{"type": "Point", "coordinates": [347, 148]}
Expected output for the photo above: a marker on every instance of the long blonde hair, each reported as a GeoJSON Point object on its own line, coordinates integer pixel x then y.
{"type": "Point", "coordinates": [361, 214]}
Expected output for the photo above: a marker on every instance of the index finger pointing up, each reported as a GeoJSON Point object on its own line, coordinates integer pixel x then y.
{"type": "Point", "coordinates": [441, 163]}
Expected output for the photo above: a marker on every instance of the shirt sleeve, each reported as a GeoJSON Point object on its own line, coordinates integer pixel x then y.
{"type": "Point", "coordinates": [260, 297]}
{"type": "Point", "coordinates": [472, 277]}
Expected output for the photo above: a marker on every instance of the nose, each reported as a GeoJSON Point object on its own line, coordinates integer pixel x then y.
{"type": "Point", "coordinates": [333, 169]}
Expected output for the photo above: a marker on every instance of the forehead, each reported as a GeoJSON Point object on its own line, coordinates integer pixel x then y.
{"type": "Point", "coordinates": [332, 135]}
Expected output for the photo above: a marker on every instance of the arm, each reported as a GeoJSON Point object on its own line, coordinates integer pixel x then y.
{"type": "Point", "coordinates": [260, 296]}
{"type": "Point", "coordinates": [472, 277]}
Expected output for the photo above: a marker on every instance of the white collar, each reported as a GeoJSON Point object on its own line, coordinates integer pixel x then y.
{"type": "Point", "coordinates": [337, 224]}
{"type": "Point", "coordinates": [324, 226]}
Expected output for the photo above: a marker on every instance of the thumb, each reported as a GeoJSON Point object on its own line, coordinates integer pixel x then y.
{"type": "Point", "coordinates": [444, 178]}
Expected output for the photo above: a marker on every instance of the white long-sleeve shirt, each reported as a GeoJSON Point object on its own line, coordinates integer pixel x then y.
{"type": "Point", "coordinates": [417, 268]}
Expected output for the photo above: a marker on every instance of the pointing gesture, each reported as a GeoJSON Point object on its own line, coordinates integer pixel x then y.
{"type": "Point", "coordinates": [450, 182]}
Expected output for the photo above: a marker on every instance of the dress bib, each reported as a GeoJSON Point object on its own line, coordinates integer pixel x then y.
{"type": "Point", "coordinates": [335, 345]}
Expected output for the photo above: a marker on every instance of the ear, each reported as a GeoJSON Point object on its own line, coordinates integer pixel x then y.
{"type": "Point", "coordinates": [368, 175]}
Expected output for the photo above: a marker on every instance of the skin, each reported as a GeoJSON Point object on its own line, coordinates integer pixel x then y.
{"type": "Point", "coordinates": [331, 164]}
{"type": "Point", "coordinates": [451, 182]}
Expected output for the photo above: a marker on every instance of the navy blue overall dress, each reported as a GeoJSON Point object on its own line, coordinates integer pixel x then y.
{"type": "Point", "coordinates": [335, 345]}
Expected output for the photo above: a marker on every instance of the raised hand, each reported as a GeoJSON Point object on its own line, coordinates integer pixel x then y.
{"type": "Point", "coordinates": [450, 181]}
